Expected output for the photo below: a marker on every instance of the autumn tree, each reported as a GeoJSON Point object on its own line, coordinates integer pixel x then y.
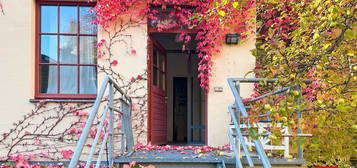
{"type": "Point", "coordinates": [316, 40]}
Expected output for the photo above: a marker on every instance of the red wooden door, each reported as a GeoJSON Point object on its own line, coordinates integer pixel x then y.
{"type": "Point", "coordinates": [158, 96]}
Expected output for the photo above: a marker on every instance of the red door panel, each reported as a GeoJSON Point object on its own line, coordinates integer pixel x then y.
{"type": "Point", "coordinates": [158, 104]}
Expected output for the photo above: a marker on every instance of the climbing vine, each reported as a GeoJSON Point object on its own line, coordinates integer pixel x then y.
{"type": "Point", "coordinates": [212, 19]}
{"type": "Point", "coordinates": [1, 9]}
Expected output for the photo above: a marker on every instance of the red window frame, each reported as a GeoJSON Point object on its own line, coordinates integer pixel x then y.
{"type": "Point", "coordinates": [38, 94]}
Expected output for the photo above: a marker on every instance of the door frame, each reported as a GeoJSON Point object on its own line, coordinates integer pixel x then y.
{"type": "Point", "coordinates": [149, 78]}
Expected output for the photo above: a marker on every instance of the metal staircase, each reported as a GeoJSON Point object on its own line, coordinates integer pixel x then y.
{"type": "Point", "coordinates": [106, 135]}
{"type": "Point", "coordinates": [238, 137]}
{"type": "Point", "coordinates": [121, 105]}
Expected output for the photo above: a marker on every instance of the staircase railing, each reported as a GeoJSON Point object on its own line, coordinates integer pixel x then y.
{"type": "Point", "coordinates": [106, 125]}
{"type": "Point", "coordinates": [239, 110]}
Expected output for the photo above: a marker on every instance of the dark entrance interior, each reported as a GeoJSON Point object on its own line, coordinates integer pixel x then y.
{"type": "Point", "coordinates": [180, 109]}
{"type": "Point", "coordinates": [185, 100]}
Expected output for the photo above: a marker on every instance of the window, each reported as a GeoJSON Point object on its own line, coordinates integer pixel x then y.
{"type": "Point", "coordinates": [66, 65]}
{"type": "Point", "coordinates": [159, 68]}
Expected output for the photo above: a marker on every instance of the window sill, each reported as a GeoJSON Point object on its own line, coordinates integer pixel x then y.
{"type": "Point", "coordinates": [61, 101]}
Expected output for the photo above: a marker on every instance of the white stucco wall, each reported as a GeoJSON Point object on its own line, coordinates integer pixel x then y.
{"type": "Point", "coordinates": [17, 33]}
{"type": "Point", "coordinates": [233, 61]}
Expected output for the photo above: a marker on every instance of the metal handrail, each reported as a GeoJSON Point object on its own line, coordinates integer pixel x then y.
{"type": "Point", "coordinates": [241, 139]}
{"type": "Point", "coordinates": [126, 104]}
{"type": "Point", "coordinates": [241, 108]}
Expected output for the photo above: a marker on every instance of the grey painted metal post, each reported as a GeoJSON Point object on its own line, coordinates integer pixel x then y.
{"type": "Point", "coordinates": [95, 141]}
{"type": "Point", "coordinates": [130, 142]}
{"type": "Point", "coordinates": [102, 150]}
{"type": "Point", "coordinates": [234, 146]}
{"type": "Point", "coordinates": [262, 155]}
{"type": "Point", "coordinates": [111, 126]}
{"type": "Point", "coordinates": [238, 102]}
{"type": "Point", "coordinates": [299, 115]}
{"type": "Point", "coordinates": [122, 138]}
{"type": "Point", "coordinates": [85, 132]}
{"type": "Point", "coordinates": [241, 138]}
{"type": "Point", "coordinates": [127, 126]}
{"type": "Point", "coordinates": [237, 112]}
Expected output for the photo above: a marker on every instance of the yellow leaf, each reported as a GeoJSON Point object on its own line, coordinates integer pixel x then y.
{"type": "Point", "coordinates": [222, 13]}
{"type": "Point", "coordinates": [349, 12]}
{"type": "Point", "coordinates": [316, 36]}
{"type": "Point", "coordinates": [224, 2]}
{"type": "Point", "coordinates": [353, 104]}
{"type": "Point", "coordinates": [326, 45]}
{"type": "Point", "coordinates": [351, 54]}
{"type": "Point", "coordinates": [216, 4]}
{"type": "Point", "coordinates": [235, 5]}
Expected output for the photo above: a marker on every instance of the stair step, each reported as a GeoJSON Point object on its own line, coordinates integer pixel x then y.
{"type": "Point", "coordinates": [279, 163]}
{"type": "Point", "coordinates": [174, 157]}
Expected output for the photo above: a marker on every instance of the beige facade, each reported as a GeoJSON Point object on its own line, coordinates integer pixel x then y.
{"type": "Point", "coordinates": [17, 54]}
{"type": "Point", "coordinates": [233, 62]}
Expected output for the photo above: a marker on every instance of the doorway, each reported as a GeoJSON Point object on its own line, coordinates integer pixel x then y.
{"type": "Point", "coordinates": [179, 110]}
{"type": "Point", "coordinates": [177, 104]}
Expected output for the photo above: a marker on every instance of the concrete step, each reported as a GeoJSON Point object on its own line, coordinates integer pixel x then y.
{"type": "Point", "coordinates": [187, 159]}
{"type": "Point", "coordinates": [204, 165]}
{"type": "Point", "coordinates": [180, 165]}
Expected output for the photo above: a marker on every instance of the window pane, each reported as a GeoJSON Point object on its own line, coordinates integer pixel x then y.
{"type": "Point", "coordinates": [155, 56]}
{"type": "Point", "coordinates": [48, 79]}
{"type": "Point", "coordinates": [68, 19]}
{"type": "Point", "coordinates": [155, 76]}
{"type": "Point", "coordinates": [68, 50]}
{"type": "Point", "coordinates": [48, 48]}
{"type": "Point", "coordinates": [68, 79]}
{"type": "Point", "coordinates": [163, 81]}
{"type": "Point", "coordinates": [88, 51]}
{"type": "Point", "coordinates": [86, 20]}
{"type": "Point", "coordinates": [49, 16]}
{"type": "Point", "coordinates": [88, 80]}
{"type": "Point", "coordinates": [161, 61]}
{"type": "Point", "coordinates": [161, 75]}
